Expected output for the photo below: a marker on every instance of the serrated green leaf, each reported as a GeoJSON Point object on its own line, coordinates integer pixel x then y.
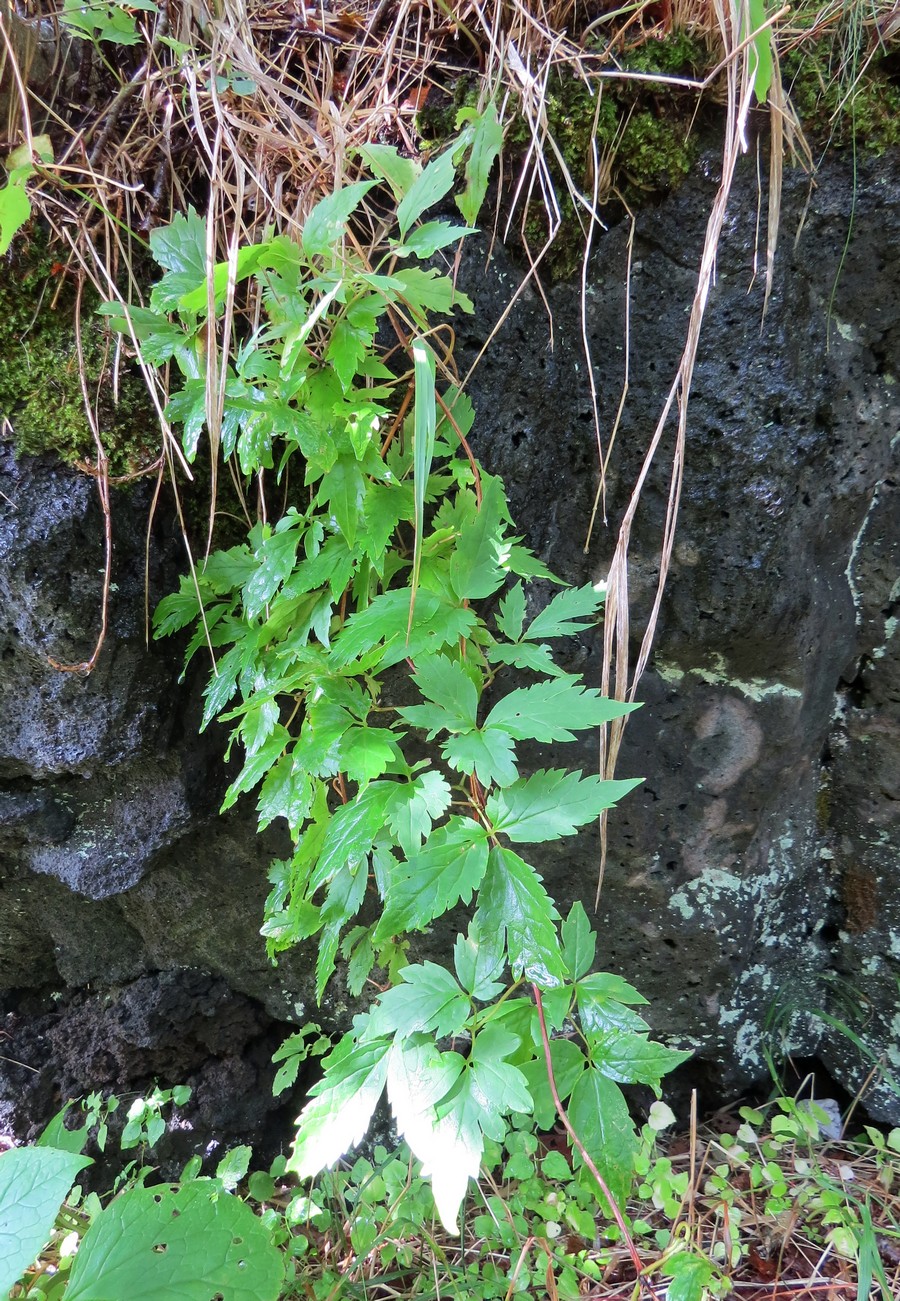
{"type": "Point", "coordinates": [488, 752]}
{"type": "Point", "coordinates": [570, 611]}
{"type": "Point", "coordinates": [285, 793]}
{"type": "Point", "coordinates": [181, 246]}
{"type": "Point", "coordinates": [429, 291]}
{"type": "Point", "coordinates": [500, 1086]}
{"type": "Point", "coordinates": [344, 488]}
{"type": "Point", "coordinates": [486, 136]}
{"type": "Point", "coordinates": [328, 220]}
{"type": "Point", "coordinates": [554, 711]}
{"type": "Point", "coordinates": [513, 900]}
{"type": "Point", "coordinates": [428, 999]}
{"type": "Point", "coordinates": [526, 655]}
{"type": "Point", "coordinates": [15, 212]}
{"type": "Point", "coordinates": [346, 892]}
{"type": "Point", "coordinates": [338, 1115]}
{"type": "Point", "coordinates": [276, 556]}
{"type": "Point", "coordinates": [478, 965]}
{"type": "Point", "coordinates": [552, 803]}
{"type": "Point", "coordinates": [447, 684]}
{"type": "Point", "coordinates": [474, 570]}
{"type": "Point", "coordinates": [387, 164]}
{"type": "Point", "coordinates": [361, 960]}
{"type": "Point", "coordinates": [436, 623]}
{"type": "Point", "coordinates": [446, 870]}
{"type": "Point", "coordinates": [194, 1241]}
{"type": "Point", "coordinates": [256, 766]}
{"type": "Point", "coordinates": [425, 240]}
{"type": "Point", "coordinates": [579, 941]}
{"type": "Point", "coordinates": [433, 182]}
{"type": "Point", "coordinates": [449, 1147]}
{"type": "Point", "coordinates": [599, 1115]}
{"type": "Point", "coordinates": [415, 807]}
{"type": "Point", "coordinates": [367, 752]}
{"type": "Point", "coordinates": [633, 1058]}
{"type": "Point", "coordinates": [569, 1063]}
{"type": "Point", "coordinates": [34, 1182]}
{"type": "Point", "coordinates": [511, 617]}
{"type": "Point", "coordinates": [351, 832]}
{"type": "Point", "coordinates": [603, 986]}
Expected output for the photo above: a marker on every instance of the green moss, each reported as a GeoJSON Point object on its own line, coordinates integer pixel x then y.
{"type": "Point", "coordinates": [643, 129]}
{"type": "Point", "coordinates": [40, 386]}
{"type": "Point", "coordinates": [837, 104]}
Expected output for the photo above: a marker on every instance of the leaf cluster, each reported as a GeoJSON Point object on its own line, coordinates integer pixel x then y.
{"type": "Point", "coordinates": [385, 612]}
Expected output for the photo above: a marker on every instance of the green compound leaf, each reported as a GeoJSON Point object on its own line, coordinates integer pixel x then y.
{"type": "Point", "coordinates": [449, 868]}
{"type": "Point", "coordinates": [428, 999]}
{"type": "Point", "coordinates": [599, 1113]}
{"type": "Point", "coordinates": [552, 803]}
{"type": "Point", "coordinates": [33, 1183]}
{"type": "Point", "coordinates": [338, 1115]}
{"type": "Point", "coordinates": [195, 1242]}
{"type": "Point", "coordinates": [513, 900]}
{"type": "Point", "coordinates": [328, 220]}
{"type": "Point", "coordinates": [549, 711]}
{"type": "Point", "coordinates": [571, 611]}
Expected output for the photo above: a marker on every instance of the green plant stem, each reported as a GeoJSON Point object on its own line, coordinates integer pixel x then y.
{"type": "Point", "coordinates": [577, 1143]}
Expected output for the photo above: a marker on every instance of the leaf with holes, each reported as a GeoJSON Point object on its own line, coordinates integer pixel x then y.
{"type": "Point", "coordinates": [196, 1242]}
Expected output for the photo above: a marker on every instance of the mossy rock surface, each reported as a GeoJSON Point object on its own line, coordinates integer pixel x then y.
{"type": "Point", "coordinates": [41, 390]}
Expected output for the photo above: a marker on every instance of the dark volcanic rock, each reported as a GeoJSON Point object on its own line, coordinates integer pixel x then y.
{"type": "Point", "coordinates": [753, 880]}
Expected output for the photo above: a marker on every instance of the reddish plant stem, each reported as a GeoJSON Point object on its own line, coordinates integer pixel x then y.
{"type": "Point", "coordinates": [577, 1143]}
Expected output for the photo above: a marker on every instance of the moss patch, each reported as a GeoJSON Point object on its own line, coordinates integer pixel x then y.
{"type": "Point", "coordinates": [838, 105]}
{"type": "Point", "coordinates": [40, 387]}
{"type": "Point", "coordinates": [643, 129]}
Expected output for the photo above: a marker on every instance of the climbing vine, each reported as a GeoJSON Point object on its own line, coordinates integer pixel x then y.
{"type": "Point", "coordinates": [381, 654]}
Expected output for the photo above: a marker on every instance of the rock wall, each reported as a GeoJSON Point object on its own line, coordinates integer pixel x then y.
{"type": "Point", "coordinates": [753, 885]}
